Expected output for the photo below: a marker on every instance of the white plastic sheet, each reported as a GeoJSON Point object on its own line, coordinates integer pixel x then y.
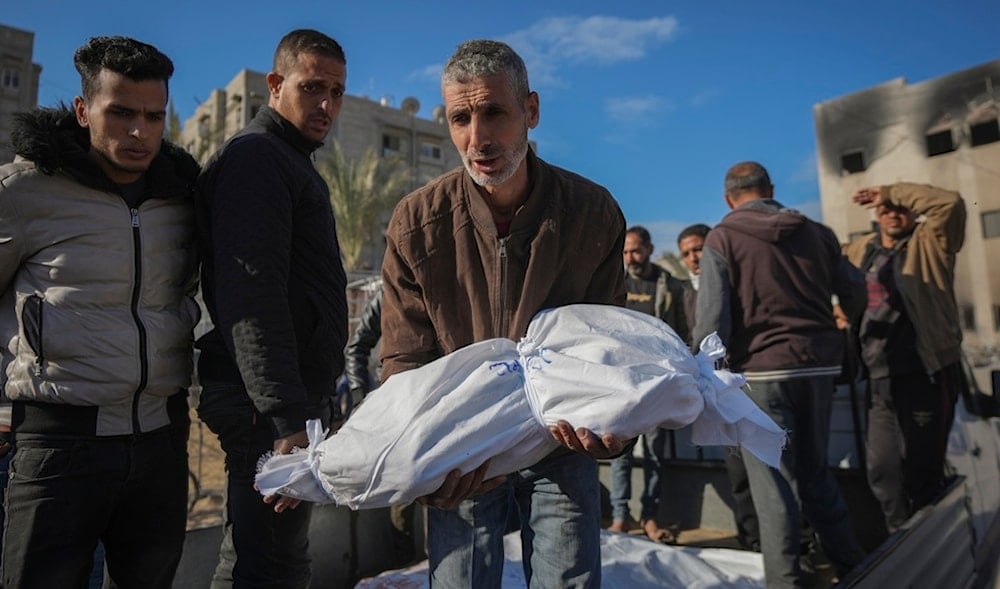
{"type": "Point", "coordinates": [605, 368]}
{"type": "Point", "coordinates": [627, 562]}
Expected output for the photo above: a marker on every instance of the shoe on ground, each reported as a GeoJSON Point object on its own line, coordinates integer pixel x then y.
{"type": "Point", "coordinates": [657, 534]}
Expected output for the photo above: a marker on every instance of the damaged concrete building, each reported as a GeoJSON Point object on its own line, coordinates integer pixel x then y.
{"type": "Point", "coordinates": [943, 131]}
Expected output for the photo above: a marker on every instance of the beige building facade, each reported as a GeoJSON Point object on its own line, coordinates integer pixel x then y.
{"type": "Point", "coordinates": [943, 131]}
{"type": "Point", "coordinates": [423, 144]}
{"type": "Point", "coordinates": [18, 81]}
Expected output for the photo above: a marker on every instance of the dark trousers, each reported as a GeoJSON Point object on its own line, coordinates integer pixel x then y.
{"type": "Point", "coordinates": [909, 419]}
{"type": "Point", "coordinates": [260, 548]}
{"type": "Point", "coordinates": [747, 527]}
{"type": "Point", "coordinates": [65, 494]}
{"type": "Point", "coordinates": [803, 485]}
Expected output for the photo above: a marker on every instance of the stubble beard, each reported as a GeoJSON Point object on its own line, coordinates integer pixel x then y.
{"type": "Point", "coordinates": [512, 160]}
{"type": "Point", "coordinates": [637, 270]}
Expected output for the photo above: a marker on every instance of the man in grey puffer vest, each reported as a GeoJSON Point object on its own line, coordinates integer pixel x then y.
{"type": "Point", "coordinates": [98, 269]}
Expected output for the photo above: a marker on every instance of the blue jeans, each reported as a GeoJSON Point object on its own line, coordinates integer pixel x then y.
{"type": "Point", "coordinates": [652, 468]}
{"type": "Point", "coordinates": [803, 484]}
{"type": "Point", "coordinates": [559, 504]}
{"type": "Point", "coordinates": [260, 548]}
{"type": "Point", "coordinates": [128, 492]}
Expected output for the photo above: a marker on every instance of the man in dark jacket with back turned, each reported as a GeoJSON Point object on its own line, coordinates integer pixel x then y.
{"type": "Point", "coordinates": [767, 277]}
{"type": "Point", "coordinates": [275, 288]}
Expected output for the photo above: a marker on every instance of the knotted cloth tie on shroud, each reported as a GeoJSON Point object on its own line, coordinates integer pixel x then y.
{"type": "Point", "coordinates": [605, 368]}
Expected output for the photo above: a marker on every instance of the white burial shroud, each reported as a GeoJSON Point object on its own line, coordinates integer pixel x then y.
{"type": "Point", "coordinates": [605, 368]}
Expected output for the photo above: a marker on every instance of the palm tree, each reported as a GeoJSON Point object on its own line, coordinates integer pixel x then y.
{"type": "Point", "coordinates": [173, 123]}
{"type": "Point", "coordinates": [362, 192]}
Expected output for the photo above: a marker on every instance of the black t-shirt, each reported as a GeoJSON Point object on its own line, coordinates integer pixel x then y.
{"type": "Point", "coordinates": [132, 193]}
{"type": "Point", "coordinates": [642, 292]}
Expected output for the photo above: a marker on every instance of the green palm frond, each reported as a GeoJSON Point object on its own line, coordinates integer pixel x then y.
{"type": "Point", "coordinates": [362, 193]}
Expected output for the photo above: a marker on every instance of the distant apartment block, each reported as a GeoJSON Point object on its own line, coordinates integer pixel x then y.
{"type": "Point", "coordinates": [18, 81]}
{"type": "Point", "coordinates": [423, 144]}
{"type": "Point", "coordinates": [944, 131]}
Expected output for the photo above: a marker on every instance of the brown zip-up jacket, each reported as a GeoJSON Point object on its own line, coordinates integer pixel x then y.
{"type": "Point", "coordinates": [450, 281]}
{"type": "Point", "coordinates": [925, 271]}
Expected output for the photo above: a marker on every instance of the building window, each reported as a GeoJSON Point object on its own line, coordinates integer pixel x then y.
{"type": "Point", "coordinates": [390, 145]}
{"type": "Point", "coordinates": [853, 162]}
{"type": "Point", "coordinates": [940, 142]}
{"type": "Point", "coordinates": [984, 132]}
{"type": "Point", "coordinates": [430, 151]}
{"type": "Point", "coordinates": [996, 317]}
{"type": "Point", "coordinates": [968, 317]}
{"type": "Point", "coordinates": [991, 224]}
{"type": "Point", "coordinates": [10, 79]}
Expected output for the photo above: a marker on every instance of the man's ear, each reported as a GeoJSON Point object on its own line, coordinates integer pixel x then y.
{"type": "Point", "coordinates": [80, 109]}
{"type": "Point", "coordinates": [532, 108]}
{"type": "Point", "coordinates": [274, 81]}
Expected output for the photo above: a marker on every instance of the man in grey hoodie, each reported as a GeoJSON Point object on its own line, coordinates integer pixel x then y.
{"type": "Point", "coordinates": [767, 277]}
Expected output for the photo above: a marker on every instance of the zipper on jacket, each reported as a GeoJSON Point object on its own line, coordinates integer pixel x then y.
{"type": "Point", "coordinates": [36, 312]}
{"type": "Point", "coordinates": [503, 323]}
{"type": "Point", "coordinates": [136, 290]}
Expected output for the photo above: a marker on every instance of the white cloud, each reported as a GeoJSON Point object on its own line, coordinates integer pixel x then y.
{"type": "Point", "coordinates": [805, 172]}
{"type": "Point", "coordinates": [606, 40]}
{"type": "Point", "coordinates": [704, 97]}
{"type": "Point", "coordinates": [603, 40]}
{"type": "Point", "coordinates": [635, 109]}
{"type": "Point", "coordinates": [430, 73]}
{"type": "Point", "coordinates": [553, 42]}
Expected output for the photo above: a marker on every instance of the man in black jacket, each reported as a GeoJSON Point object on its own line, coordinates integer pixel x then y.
{"type": "Point", "coordinates": [274, 286]}
{"type": "Point", "coordinates": [357, 354]}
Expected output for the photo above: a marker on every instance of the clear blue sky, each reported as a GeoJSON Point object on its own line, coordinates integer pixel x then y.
{"type": "Point", "coordinates": [652, 99]}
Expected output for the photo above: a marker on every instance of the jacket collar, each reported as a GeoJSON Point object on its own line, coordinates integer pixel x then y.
{"type": "Point", "coordinates": [527, 215]}
{"type": "Point", "coordinates": [52, 139]}
{"type": "Point", "coordinates": [268, 119]}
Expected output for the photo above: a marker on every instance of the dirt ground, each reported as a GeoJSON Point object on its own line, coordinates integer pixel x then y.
{"type": "Point", "coordinates": [207, 483]}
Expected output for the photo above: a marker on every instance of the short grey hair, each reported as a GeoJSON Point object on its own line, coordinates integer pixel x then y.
{"type": "Point", "coordinates": [747, 176]}
{"type": "Point", "coordinates": [482, 58]}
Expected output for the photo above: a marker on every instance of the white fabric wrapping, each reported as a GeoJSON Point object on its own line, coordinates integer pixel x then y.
{"type": "Point", "coordinates": [609, 369]}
